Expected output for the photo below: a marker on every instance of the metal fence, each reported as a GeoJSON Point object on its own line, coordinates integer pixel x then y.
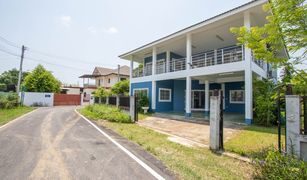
{"type": "Point", "coordinates": [304, 115]}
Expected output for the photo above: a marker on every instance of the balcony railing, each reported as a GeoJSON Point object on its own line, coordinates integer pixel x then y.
{"type": "Point", "coordinates": [209, 58]}
{"type": "Point", "coordinates": [177, 64]}
{"type": "Point", "coordinates": [219, 56]}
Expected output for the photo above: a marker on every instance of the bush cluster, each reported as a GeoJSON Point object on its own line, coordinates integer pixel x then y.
{"type": "Point", "coordinates": [8, 101]}
{"type": "Point", "coordinates": [279, 166]}
{"type": "Point", "coordinates": [110, 113]}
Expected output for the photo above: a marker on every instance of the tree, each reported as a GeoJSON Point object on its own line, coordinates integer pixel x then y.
{"type": "Point", "coordinates": [10, 77]}
{"type": "Point", "coordinates": [41, 80]}
{"type": "Point", "coordinates": [101, 92]}
{"type": "Point", "coordinates": [286, 26]}
{"type": "Point", "coordinates": [121, 88]}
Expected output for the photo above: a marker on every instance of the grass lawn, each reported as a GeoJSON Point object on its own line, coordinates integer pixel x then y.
{"type": "Point", "coordinates": [185, 162]}
{"type": "Point", "coordinates": [253, 139]}
{"type": "Point", "coordinates": [7, 115]}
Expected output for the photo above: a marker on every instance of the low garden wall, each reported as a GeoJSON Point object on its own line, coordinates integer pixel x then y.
{"type": "Point", "coordinates": [37, 99]}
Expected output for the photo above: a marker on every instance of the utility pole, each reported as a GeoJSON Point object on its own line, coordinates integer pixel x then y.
{"type": "Point", "coordinates": [20, 68]}
{"type": "Point", "coordinates": [118, 76]}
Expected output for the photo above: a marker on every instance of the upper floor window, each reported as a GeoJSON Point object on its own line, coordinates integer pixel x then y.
{"type": "Point", "coordinates": [236, 96]}
{"type": "Point", "coordinates": [165, 95]}
{"type": "Point", "coordinates": [109, 80]}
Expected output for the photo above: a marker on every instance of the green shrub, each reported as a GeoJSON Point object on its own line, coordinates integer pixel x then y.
{"type": "Point", "coordinates": [109, 113]}
{"type": "Point", "coordinates": [2, 87]}
{"type": "Point", "coordinates": [143, 101]}
{"type": "Point", "coordinates": [279, 166]}
{"type": "Point", "coordinates": [264, 102]}
{"type": "Point", "coordinates": [8, 101]}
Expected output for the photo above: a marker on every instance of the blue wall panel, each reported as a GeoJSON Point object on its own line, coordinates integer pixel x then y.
{"type": "Point", "coordinates": [231, 107]}
{"type": "Point", "coordinates": [159, 56]}
{"type": "Point", "coordinates": [143, 85]}
{"type": "Point", "coordinates": [179, 87]}
{"type": "Point", "coordinates": [164, 106]}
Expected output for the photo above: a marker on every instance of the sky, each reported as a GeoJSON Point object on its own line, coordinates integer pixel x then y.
{"type": "Point", "coordinates": [71, 37]}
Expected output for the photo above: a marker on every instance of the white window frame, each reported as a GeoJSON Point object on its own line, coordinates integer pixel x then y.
{"type": "Point", "coordinates": [236, 102]}
{"type": "Point", "coordinates": [140, 89]}
{"type": "Point", "coordinates": [170, 95]}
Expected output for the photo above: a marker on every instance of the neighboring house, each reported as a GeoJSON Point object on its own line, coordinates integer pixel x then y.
{"type": "Point", "coordinates": [180, 71]}
{"type": "Point", "coordinates": [86, 91]}
{"type": "Point", "coordinates": [105, 77]}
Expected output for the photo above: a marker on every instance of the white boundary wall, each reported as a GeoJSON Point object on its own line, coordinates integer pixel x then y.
{"type": "Point", "coordinates": [42, 99]}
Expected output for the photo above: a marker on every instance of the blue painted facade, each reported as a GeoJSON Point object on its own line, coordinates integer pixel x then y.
{"type": "Point", "coordinates": [178, 94]}
{"type": "Point", "coordinates": [231, 107]}
{"type": "Point", "coordinates": [142, 85]}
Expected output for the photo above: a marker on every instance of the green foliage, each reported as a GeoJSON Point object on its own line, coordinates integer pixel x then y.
{"type": "Point", "coordinates": [143, 101]}
{"type": "Point", "coordinates": [299, 82]}
{"type": "Point", "coordinates": [2, 87]}
{"type": "Point", "coordinates": [11, 77]}
{"type": "Point", "coordinates": [8, 101]}
{"type": "Point", "coordinates": [105, 112]}
{"type": "Point", "coordinates": [286, 25]}
{"type": "Point", "coordinates": [41, 80]}
{"type": "Point", "coordinates": [279, 166]}
{"type": "Point", "coordinates": [101, 92]}
{"type": "Point", "coordinates": [121, 88]}
{"type": "Point", "coordinates": [264, 102]}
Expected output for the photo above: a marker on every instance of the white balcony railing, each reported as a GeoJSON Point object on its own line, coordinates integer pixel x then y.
{"type": "Point", "coordinates": [220, 56]}
{"type": "Point", "coordinates": [210, 58]}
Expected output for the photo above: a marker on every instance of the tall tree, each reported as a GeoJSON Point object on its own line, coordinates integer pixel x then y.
{"type": "Point", "coordinates": [286, 26]}
{"type": "Point", "coordinates": [41, 80]}
{"type": "Point", "coordinates": [10, 77]}
{"type": "Point", "coordinates": [121, 88]}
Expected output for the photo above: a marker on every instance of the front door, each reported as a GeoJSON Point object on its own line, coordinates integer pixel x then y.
{"type": "Point", "coordinates": [198, 99]}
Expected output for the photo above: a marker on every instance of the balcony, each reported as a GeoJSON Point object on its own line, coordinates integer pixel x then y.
{"type": "Point", "coordinates": [209, 58]}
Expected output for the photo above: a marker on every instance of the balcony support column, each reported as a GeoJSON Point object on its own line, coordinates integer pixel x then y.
{"type": "Point", "coordinates": [154, 60]}
{"type": "Point", "coordinates": [188, 97]}
{"type": "Point", "coordinates": [189, 51]}
{"type": "Point", "coordinates": [153, 95]}
{"type": "Point", "coordinates": [207, 90]}
{"type": "Point", "coordinates": [131, 75]}
{"type": "Point", "coordinates": [168, 57]}
{"type": "Point", "coordinates": [248, 75]}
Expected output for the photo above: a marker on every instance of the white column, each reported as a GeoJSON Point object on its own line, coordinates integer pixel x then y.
{"type": "Point", "coordinates": [154, 60]}
{"type": "Point", "coordinates": [188, 97]}
{"type": "Point", "coordinates": [153, 95]}
{"type": "Point", "coordinates": [223, 89]}
{"type": "Point", "coordinates": [188, 51]}
{"type": "Point", "coordinates": [207, 85]}
{"type": "Point", "coordinates": [131, 76]}
{"type": "Point", "coordinates": [248, 76]}
{"type": "Point", "coordinates": [168, 57]}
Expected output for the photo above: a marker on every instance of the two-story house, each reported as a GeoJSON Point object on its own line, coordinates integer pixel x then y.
{"type": "Point", "coordinates": [180, 71]}
{"type": "Point", "coordinates": [106, 77]}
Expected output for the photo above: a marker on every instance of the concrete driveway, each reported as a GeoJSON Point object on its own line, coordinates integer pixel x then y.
{"type": "Point", "coordinates": [188, 133]}
{"type": "Point", "coordinates": [56, 143]}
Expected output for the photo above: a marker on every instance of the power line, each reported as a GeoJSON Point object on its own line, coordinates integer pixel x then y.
{"type": "Point", "coordinates": [42, 61]}
{"type": "Point", "coordinates": [9, 42]}
{"type": "Point", "coordinates": [51, 55]}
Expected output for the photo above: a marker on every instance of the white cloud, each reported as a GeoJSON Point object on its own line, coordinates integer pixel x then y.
{"type": "Point", "coordinates": [111, 30]}
{"type": "Point", "coordinates": [92, 29]}
{"type": "Point", "coordinates": [65, 21]}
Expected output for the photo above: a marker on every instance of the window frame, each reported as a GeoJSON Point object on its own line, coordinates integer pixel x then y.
{"type": "Point", "coordinates": [140, 89]}
{"type": "Point", "coordinates": [170, 95]}
{"type": "Point", "coordinates": [236, 102]}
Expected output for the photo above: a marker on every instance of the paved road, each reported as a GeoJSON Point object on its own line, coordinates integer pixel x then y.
{"type": "Point", "coordinates": [56, 143]}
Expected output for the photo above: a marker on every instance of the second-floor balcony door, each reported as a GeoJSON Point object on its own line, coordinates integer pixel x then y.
{"type": "Point", "coordinates": [160, 66]}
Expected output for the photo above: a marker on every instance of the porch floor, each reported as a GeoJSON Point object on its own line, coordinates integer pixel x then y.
{"type": "Point", "coordinates": [200, 117]}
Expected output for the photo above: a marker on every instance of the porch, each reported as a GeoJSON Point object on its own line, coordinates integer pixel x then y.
{"type": "Point", "coordinates": [200, 117]}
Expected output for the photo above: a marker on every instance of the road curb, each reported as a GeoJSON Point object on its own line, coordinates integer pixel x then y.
{"type": "Point", "coordinates": [16, 119]}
